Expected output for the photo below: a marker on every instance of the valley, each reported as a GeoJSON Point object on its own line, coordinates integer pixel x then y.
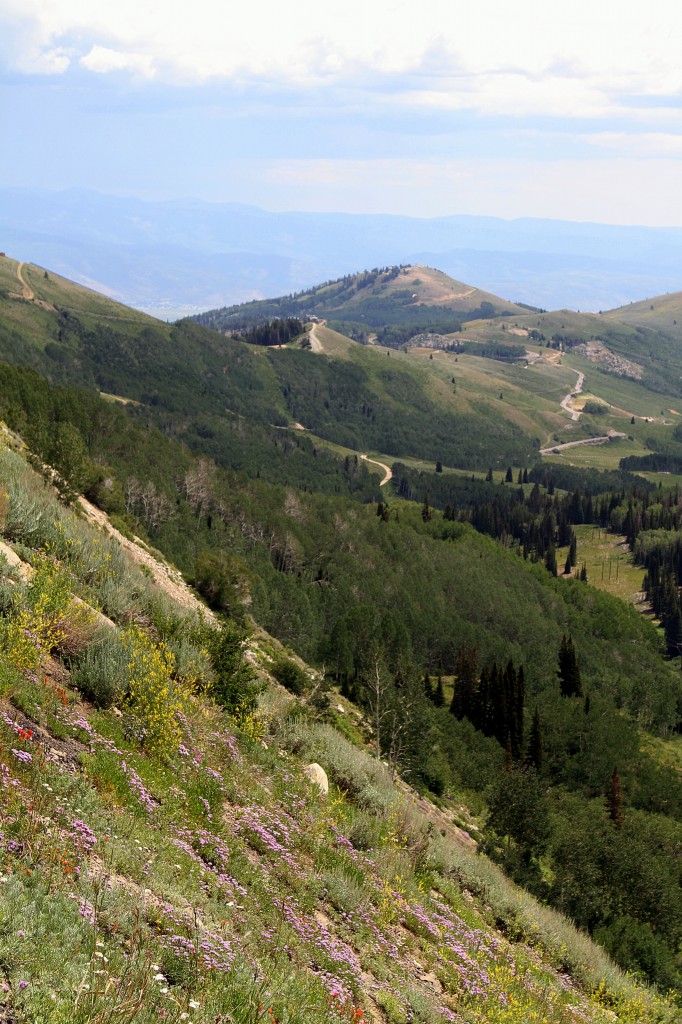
{"type": "Point", "coordinates": [418, 535]}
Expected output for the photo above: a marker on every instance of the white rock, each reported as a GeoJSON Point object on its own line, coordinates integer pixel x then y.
{"type": "Point", "coordinates": [318, 776]}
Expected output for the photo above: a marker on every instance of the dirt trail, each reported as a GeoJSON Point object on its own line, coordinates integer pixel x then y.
{"type": "Point", "coordinates": [315, 343]}
{"type": "Point", "coordinates": [566, 402]}
{"type": "Point", "coordinates": [26, 291]}
{"type": "Point", "coordinates": [387, 469]}
{"type": "Point", "coordinates": [602, 439]}
{"type": "Point", "coordinates": [168, 579]}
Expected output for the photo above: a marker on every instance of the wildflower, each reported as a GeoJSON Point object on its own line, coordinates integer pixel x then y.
{"type": "Point", "coordinates": [193, 1004]}
{"type": "Point", "coordinates": [23, 985]}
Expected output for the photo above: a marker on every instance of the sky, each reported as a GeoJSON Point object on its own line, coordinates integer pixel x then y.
{"type": "Point", "coordinates": [442, 107]}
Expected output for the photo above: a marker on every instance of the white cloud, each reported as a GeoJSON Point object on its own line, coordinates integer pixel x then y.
{"type": "Point", "coordinates": [102, 59]}
{"type": "Point", "coordinates": [644, 144]}
{"type": "Point", "coordinates": [580, 59]}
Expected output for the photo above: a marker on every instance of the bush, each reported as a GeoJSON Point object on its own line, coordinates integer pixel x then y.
{"type": "Point", "coordinates": [101, 673]}
{"type": "Point", "coordinates": [290, 675]}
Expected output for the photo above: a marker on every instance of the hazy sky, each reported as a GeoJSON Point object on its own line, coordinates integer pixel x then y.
{"type": "Point", "coordinates": [488, 107]}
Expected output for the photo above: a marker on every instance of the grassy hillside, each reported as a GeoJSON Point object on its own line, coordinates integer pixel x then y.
{"type": "Point", "coordinates": [662, 312]}
{"type": "Point", "coordinates": [164, 859]}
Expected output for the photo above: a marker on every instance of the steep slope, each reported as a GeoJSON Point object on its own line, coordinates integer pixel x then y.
{"type": "Point", "coordinates": [162, 859]}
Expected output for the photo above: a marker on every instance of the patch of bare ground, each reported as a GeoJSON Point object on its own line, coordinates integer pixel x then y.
{"type": "Point", "coordinates": [597, 352]}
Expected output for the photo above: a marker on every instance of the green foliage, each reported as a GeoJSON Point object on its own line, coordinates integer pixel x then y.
{"type": "Point", "coordinates": [101, 671]}
{"type": "Point", "coordinates": [234, 686]}
{"type": "Point", "coordinates": [290, 675]}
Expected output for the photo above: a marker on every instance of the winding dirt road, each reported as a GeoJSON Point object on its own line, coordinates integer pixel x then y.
{"type": "Point", "coordinates": [566, 402]}
{"type": "Point", "coordinates": [387, 469]}
{"type": "Point", "coordinates": [315, 343]}
{"type": "Point", "coordinates": [602, 439]}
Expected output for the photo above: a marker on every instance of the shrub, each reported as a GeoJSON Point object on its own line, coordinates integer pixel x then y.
{"type": "Point", "coordinates": [153, 696]}
{"type": "Point", "coordinates": [290, 675]}
{"type": "Point", "coordinates": [101, 673]}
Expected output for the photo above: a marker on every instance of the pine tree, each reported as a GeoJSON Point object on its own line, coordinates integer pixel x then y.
{"type": "Point", "coordinates": [550, 560]}
{"type": "Point", "coordinates": [614, 800]}
{"type": "Point", "coordinates": [438, 695]}
{"type": "Point", "coordinates": [569, 673]}
{"type": "Point", "coordinates": [466, 682]}
{"type": "Point", "coordinates": [534, 755]}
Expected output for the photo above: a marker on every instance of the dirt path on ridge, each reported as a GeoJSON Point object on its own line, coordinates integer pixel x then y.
{"type": "Point", "coordinates": [26, 292]}
{"type": "Point", "coordinates": [315, 343]}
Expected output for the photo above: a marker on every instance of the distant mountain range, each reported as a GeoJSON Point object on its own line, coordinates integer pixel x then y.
{"type": "Point", "coordinates": [178, 258]}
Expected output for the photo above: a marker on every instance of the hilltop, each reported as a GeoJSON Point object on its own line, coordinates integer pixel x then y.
{"type": "Point", "coordinates": [662, 312]}
{"type": "Point", "coordinates": [407, 297]}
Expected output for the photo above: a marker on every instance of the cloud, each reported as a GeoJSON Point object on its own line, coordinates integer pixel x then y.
{"type": "Point", "coordinates": [103, 59]}
{"type": "Point", "coordinates": [578, 60]}
{"type": "Point", "coordinates": [646, 145]}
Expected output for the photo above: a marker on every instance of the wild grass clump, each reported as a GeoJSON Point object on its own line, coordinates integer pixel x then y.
{"type": "Point", "coordinates": [366, 781]}
{"type": "Point", "coordinates": [101, 672]}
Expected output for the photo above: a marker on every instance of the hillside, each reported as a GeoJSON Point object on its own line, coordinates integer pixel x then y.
{"type": "Point", "coordinates": [232, 400]}
{"type": "Point", "coordinates": [662, 312]}
{"type": "Point", "coordinates": [410, 298]}
{"type": "Point", "coordinates": [165, 857]}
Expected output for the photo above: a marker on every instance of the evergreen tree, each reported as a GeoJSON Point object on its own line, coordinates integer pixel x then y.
{"type": "Point", "coordinates": [509, 478]}
{"type": "Point", "coordinates": [569, 673]}
{"type": "Point", "coordinates": [438, 697]}
{"type": "Point", "coordinates": [550, 560]}
{"type": "Point", "coordinates": [614, 800]}
{"type": "Point", "coordinates": [463, 703]}
{"type": "Point", "coordinates": [534, 755]}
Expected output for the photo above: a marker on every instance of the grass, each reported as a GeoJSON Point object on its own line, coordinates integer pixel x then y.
{"type": "Point", "coordinates": [609, 563]}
